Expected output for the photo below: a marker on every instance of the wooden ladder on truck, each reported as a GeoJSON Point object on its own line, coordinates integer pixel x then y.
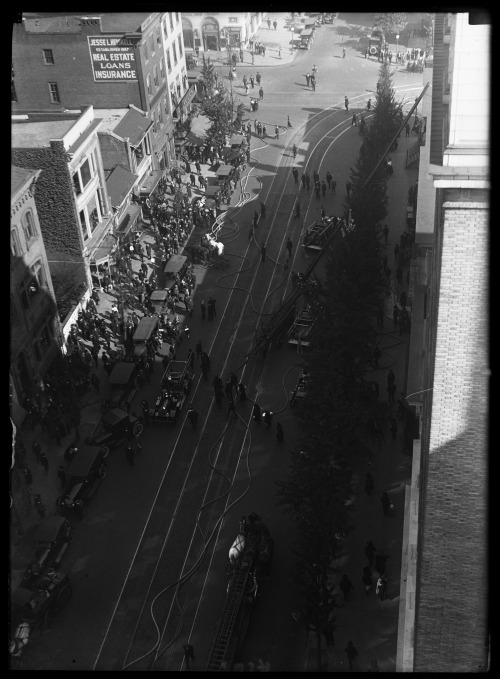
{"type": "Point", "coordinates": [224, 645]}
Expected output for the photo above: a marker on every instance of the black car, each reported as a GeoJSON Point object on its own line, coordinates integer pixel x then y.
{"type": "Point", "coordinates": [84, 475]}
{"type": "Point", "coordinates": [32, 607]}
{"type": "Point", "coordinates": [116, 427]}
{"type": "Point", "coordinates": [121, 387]}
{"type": "Point", "coordinates": [52, 538]}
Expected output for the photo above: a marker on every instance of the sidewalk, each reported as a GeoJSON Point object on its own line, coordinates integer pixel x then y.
{"type": "Point", "coordinates": [272, 41]}
{"type": "Point", "coordinates": [372, 624]}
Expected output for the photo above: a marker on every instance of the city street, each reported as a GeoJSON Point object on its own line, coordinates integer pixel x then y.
{"type": "Point", "coordinates": [171, 518]}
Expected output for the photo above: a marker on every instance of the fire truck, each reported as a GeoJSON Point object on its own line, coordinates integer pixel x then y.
{"type": "Point", "coordinates": [174, 388]}
{"type": "Point", "coordinates": [249, 560]}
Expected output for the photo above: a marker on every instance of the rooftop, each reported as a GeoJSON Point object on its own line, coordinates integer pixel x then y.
{"type": "Point", "coordinates": [19, 177]}
{"type": "Point", "coordinates": [38, 135]}
{"type": "Point", "coordinates": [110, 117]}
{"type": "Point", "coordinates": [133, 125]}
{"type": "Point", "coordinates": [119, 183]}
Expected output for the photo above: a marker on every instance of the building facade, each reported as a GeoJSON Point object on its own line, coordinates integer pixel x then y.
{"type": "Point", "coordinates": [444, 602]}
{"type": "Point", "coordinates": [67, 61]}
{"type": "Point", "coordinates": [219, 31]}
{"type": "Point", "coordinates": [35, 331]}
{"type": "Point", "coordinates": [72, 202]}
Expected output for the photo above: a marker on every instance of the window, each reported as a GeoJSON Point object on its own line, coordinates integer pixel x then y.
{"type": "Point", "coordinates": [152, 43]}
{"type": "Point", "coordinates": [148, 84]}
{"type": "Point", "coordinates": [31, 285]}
{"type": "Point", "coordinates": [233, 20]}
{"type": "Point", "coordinates": [155, 77]}
{"type": "Point", "coordinates": [177, 16]}
{"type": "Point", "coordinates": [154, 122]}
{"type": "Point", "coordinates": [54, 93]}
{"type": "Point", "coordinates": [146, 56]}
{"type": "Point", "coordinates": [28, 227]}
{"type": "Point", "coordinates": [162, 69]}
{"type": "Point", "coordinates": [48, 57]}
{"type": "Point", "coordinates": [83, 221]}
{"type": "Point", "coordinates": [175, 52]}
{"type": "Point", "coordinates": [169, 65]}
{"type": "Point", "coordinates": [15, 246]}
{"type": "Point", "coordinates": [180, 45]}
{"type": "Point", "coordinates": [171, 21]}
{"type": "Point", "coordinates": [158, 37]}
{"type": "Point", "coordinates": [82, 177]}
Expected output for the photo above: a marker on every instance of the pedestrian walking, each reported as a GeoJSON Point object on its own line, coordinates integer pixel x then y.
{"type": "Point", "coordinates": [346, 586]}
{"type": "Point", "coordinates": [275, 24]}
{"type": "Point", "coordinates": [255, 218]}
{"type": "Point", "coordinates": [262, 210]}
{"type": "Point", "coordinates": [317, 190]}
{"type": "Point", "coordinates": [261, 93]}
{"type": "Point", "coordinates": [385, 231]}
{"type": "Point", "coordinates": [61, 475]}
{"type": "Point", "coordinates": [351, 652]}
{"type": "Point", "coordinates": [279, 52]}
{"type": "Point", "coordinates": [295, 175]}
{"type": "Point", "coordinates": [279, 432]}
{"type": "Point", "coordinates": [380, 589]}
{"type": "Point", "coordinates": [44, 461]}
{"type": "Point", "coordinates": [297, 210]}
{"type": "Point", "coordinates": [354, 120]}
{"type": "Point", "coordinates": [193, 416]}
{"type": "Point", "coordinates": [367, 579]}
{"type": "Point", "coordinates": [289, 245]}
{"type": "Point", "coordinates": [313, 84]}
{"type": "Point", "coordinates": [370, 552]}
{"type": "Point", "coordinates": [188, 654]}
{"type": "Point", "coordinates": [294, 150]}
{"type": "Point", "coordinates": [369, 484]}
{"type": "Point", "coordinates": [276, 132]}
{"type": "Point", "coordinates": [308, 78]}
{"type": "Point", "coordinates": [346, 103]}
{"type": "Point", "coordinates": [263, 252]}
{"type": "Point", "coordinates": [395, 315]}
{"type": "Point", "coordinates": [386, 503]}
{"type": "Point", "coordinates": [199, 349]}
{"type": "Point", "coordinates": [289, 124]}
{"type": "Point", "coordinates": [343, 52]}
{"type": "Point", "coordinates": [258, 78]}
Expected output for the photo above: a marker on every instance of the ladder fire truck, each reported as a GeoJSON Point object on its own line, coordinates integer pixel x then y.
{"type": "Point", "coordinates": [249, 557]}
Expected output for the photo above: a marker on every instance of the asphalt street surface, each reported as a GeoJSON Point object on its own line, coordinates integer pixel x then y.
{"type": "Point", "coordinates": [148, 564]}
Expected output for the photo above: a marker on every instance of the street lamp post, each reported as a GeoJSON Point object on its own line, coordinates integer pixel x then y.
{"type": "Point", "coordinates": [397, 45]}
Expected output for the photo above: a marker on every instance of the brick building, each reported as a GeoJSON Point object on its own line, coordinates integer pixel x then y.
{"type": "Point", "coordinates": [34, 326]}
{"type": "Point", "coordinates": [444, 602]}
{"type": "Point", "coordinates": [113, 60]}
{"type": "Point", "coordinates": [71, 198]}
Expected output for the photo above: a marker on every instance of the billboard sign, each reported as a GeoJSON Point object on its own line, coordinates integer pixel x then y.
{"type": "Point", "coordinates": [112, 58]}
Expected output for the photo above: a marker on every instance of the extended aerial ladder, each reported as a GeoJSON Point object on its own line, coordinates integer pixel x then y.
{"type": "Point", "coordinates": [280, 319]}
{"type": "Point", "coordinates": [226, 636]}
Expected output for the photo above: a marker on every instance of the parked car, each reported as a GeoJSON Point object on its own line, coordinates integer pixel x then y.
{"type": "Point", "coordinates": [115, 428]}
{"type": "Point", "coordinates": [84, 475]}
{"type": "Point", "coordinates": [33, 607]}
{"type": "Point", "coordinates": [121, 387]}
{"type": "Point", "coordinates": [158, 300]}
{"type": "Point", "coordinates": [52, 538]}
{"type": "Point", "coordinates": [174, 388]}
{"type": "Point", "coordinates": [143, 337]}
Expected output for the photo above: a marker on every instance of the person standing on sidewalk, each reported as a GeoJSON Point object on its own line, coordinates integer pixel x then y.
{"type": "Point", "coordinates": [370, 552]}
{"type": "Point", "coordinates": [351, 652]}
{"type": "Point", "coordinates": [295, 175]}
{"type": "Point", "coordinates": [346, 103]}
{"type": "Point", "coordinates": [346, 586]}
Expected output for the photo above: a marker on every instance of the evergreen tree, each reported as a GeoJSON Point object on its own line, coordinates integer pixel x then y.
{"type": "Point", "coordinates": [218, 107]}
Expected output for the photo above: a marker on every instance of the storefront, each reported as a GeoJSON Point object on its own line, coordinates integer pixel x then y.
{"type": "Point", "coordinates": [210, 34]}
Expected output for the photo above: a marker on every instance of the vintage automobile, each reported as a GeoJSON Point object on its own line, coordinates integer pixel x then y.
{"type": "Point", "coordinates": [177, 264]}
{"type": "Point", "coordinates": [52, 538]}
{"type": "Point", "coordinates": [301, 327]}
{"type": "Point", "coordinates": [84, 476]}
{"type": "Point", "coordinates": [301, 388]}
{"type": "Point", "coordinates": [34, 606]}
{"type": "Point", "coordinates": [115, 428]}
{"type": "Point", "coordinates": [158, 300]}
{"type": "Point", "coordinates": [121, 387]}
{"type": "Point", "coordinates": [143, 338]}
{"type": "Point", "coordinates": [175, 385]}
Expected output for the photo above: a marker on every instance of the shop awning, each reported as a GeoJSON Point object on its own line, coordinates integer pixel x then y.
{"type": "Point", "coordinates": [129, 218]}
{"type": "Point", "coordinates": [119, 184]}
{"type": "Point", "coordinates": [133, 125]}
{"type": "Point", "coordinates": [105, 249]}
{"type": "Point", "coordinates": [149, 182]}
